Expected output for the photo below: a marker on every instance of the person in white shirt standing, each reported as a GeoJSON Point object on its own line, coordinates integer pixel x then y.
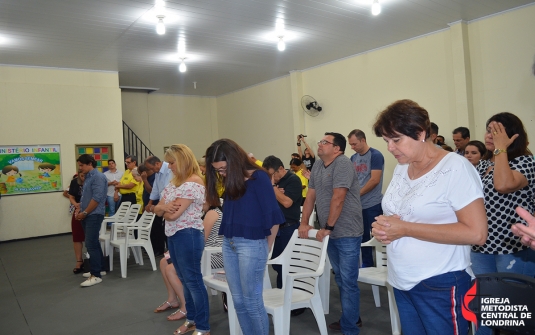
{"type": "Point", "coordinates": [113, 176]}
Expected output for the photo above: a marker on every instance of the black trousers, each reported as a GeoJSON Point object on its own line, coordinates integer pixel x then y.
{"type": "Point", "coordinates": [128, 197]}
{"type": "Point", "coordinates": [157, 236]}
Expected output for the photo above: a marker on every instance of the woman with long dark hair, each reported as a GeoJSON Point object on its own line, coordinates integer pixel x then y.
{"type": "Point", "coordinates": [508, 178]}
{"type": "Point", "coordinates": [251, 216]}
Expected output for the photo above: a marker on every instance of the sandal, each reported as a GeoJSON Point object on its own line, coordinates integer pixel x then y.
{"type": "Point", "coordinates": [80, 269]}
{"type": "Point", "coordinates": [178, 312]}
{"type": "Point", "coordinates": [185, 328]}
{"type": "Point", "coordinates": [169, 306]}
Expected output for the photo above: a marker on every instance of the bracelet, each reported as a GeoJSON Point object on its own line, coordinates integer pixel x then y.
{"type": "Point", "coordinates": [298, 144]}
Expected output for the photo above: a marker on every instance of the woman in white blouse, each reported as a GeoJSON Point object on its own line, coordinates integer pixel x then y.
{"type": "Point", "coordinates": [181, 205]}
{"type": "Point", "coordinates": [433, 211]}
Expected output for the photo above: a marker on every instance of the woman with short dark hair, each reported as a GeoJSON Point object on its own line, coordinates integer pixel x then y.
{"type": "Point", "coordinates": [433, 211]}
{"type": "Point", "coordinates": [508, 179]}
{"type": "Point", "coordinates": [251, 218]}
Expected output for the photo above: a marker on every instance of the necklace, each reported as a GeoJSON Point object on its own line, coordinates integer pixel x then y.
{"type": "Point", "coordinates": [415, 175]}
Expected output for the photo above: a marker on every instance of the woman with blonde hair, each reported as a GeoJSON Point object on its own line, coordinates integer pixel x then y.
{"type": "Point", "coordinates": [181, 205]}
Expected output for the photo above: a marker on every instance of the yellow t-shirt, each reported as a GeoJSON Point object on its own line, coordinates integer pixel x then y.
{"type": "Point", "coordinates": [127, 179]}
{"type": "Point", "coordinates": [304, 181]}
{"type": "Point", "coordinates": [139, 197]}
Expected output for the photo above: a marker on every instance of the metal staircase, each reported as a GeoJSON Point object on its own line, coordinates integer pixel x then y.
{"type": "Point", "coordinates": [134, 146]}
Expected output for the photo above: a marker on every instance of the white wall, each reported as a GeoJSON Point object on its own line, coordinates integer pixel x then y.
{"type": "Point", "coordinates": [53, 106]}
{"type": "Point", "coordinates": [161, 120]}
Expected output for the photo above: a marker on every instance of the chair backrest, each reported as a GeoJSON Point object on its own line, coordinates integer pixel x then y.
{"type": "Point", "coordinates": [145, 222]}
{"type": "Point", "coordinates": [305, 255]}
{"type": "Point", "coordinates": [380, 251]}
{"type": "Point", "coordinates": [312, 218]}
{"type": "Point", "coordinates": [122, 210]}
{"type": "Point", "coordinates": [131, 214]}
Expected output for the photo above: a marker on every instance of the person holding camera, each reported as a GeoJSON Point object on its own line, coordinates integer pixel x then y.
{"type": "Point", "coordinates": [308, 157]}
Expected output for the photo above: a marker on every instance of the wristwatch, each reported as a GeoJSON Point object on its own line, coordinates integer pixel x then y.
{"type": "Point", "coordinates": [327, 227]}
{"type": "Point", "coordinates": [496, 152]}
{"type": "Point", "coordinates": [84, 213]}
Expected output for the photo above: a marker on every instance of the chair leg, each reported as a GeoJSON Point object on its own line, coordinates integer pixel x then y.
{"type": "Point", "coordinates": [233, 323]}
{"type": "Point", "coordinates": [122, 254]}
{"type": "Point", "coordinates": [394, 314]}
{"type": "Point", "coordinates": [376, 296]}
{"type": "Point", "coordinates": [111, 259]}
{"type": "Point", "coordinates": [107, 247]}
{"type": "Point", "coordinates": [317, 310]}
{"type": "Point", "coordinates": [150, 253]}
{"type": "Point", "coordinates": [279, 322]}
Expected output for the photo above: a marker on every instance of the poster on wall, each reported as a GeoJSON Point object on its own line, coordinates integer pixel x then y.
{"type": "Point", "coordinates": [29, 169]}
{"type": "Point", "coordinates": [100, 152]}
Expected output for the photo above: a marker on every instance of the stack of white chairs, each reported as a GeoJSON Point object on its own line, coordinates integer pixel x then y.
{"type": "Point", "coordinates": [129, 240]}
{"type": "Point", "coordinates": [104, 235]}
{"type": "Point", "coordinates": [377, 276]}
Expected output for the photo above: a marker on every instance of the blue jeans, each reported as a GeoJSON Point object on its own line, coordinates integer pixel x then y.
{"type": "Point", "coordinates": [368, 217]}
{"type": "Point", "coordinates": [344, 256]}
{"type": "Point", "coordinates": [281, 241]}
{"type": "Point", "coordinates": [245, 263]}
{"type": "Point", "coordinates": [186, 247]}
{"type": "Point", "coordinates": [91, 225]}
{"type": "Point", "coordinates": [112, 204]}
{"type": "Point", "coordinates": [434, 305]}
{"type": "Point", "coordinates": [522, 262]}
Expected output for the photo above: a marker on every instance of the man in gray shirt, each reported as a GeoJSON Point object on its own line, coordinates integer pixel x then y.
{"type": "Point", "coordinates": [369, 164]}
{"type": "Point", "coordinates": [335, 189]}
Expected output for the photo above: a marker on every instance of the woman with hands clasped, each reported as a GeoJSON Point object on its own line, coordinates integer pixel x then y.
{"type": "Point", "coordinates": [181, 205]}
{"type": "Point", "coordinates": [433, 210]}
{"type": "Point", "coordinates": [508, 179]}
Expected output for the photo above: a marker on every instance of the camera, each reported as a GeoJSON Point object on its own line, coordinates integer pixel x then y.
{"type": "Point", "coordinates": [301, 136]}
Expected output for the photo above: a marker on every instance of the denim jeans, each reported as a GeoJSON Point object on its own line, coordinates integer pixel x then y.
{"type": "Point", "coordinates": [91, 225]}
{"type": "Point", "coordinates": [522, 262]}
{"type": "Point", "coordinates": [186, 247]}
{"type": "Point", "coordinates": [434, 305]}
{"type": "Point", "coordinates": [368, 217]}
{"type": "Point", "coordinates": [112, 204]}
{"type": "Point", "coordinates": [245, 263]}
{"type": "Point", "coordinates": [344, 256]}
{"type": "Point", "coordinates": [281, 241]}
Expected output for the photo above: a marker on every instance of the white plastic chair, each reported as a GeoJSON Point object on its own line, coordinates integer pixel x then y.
{"type": "Point", "coordinates": [104, 235]}
{"type": "Point", "coordinates": [222, 286]}
{"type": "Point", "coordinates": [143, 228]}
{"type": "Point", "coordinates": [312, 218]}
{"type": "Point", "coordinates": [303, 262]}
{"type": "Point", "coordinates": [377, 276]}
{"type": "Point", "coordinates": [206, 262]}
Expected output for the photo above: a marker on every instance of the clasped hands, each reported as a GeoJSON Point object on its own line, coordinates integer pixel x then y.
{"type": "Point", "coordinates": [387, 229]}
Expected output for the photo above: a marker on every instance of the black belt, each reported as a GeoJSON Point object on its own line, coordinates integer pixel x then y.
{"type": "Point", "coordinates": [287, 224]}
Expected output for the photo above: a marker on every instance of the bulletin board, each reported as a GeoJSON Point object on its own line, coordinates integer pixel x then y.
{"type": "Point", "coordinates": [101, 153]}
{"type": "Point", "coordinates": [26, 169]}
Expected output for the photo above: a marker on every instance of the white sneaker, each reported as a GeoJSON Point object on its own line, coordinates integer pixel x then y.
{"type": "Point", "coordinates": [88, 274]}
{"type": "Point", "coordinates": [91, 281]}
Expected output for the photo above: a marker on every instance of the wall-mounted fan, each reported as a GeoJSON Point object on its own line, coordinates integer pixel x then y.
{"type": "Point", "coordinates": [310, 105]}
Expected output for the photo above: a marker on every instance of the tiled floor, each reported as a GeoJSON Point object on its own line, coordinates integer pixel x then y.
{"type": "Point", "coordinates": [39, 295]}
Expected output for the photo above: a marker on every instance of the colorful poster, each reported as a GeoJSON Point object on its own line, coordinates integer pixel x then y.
{"type": "Point", "coordinates": [30, 169]}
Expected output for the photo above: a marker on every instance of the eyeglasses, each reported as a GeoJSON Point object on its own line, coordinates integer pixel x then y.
{"type": "Point", "coordinates": [127, 162]}
{"type": "Point", "coordinates": [323, 142]}
{"type": "Point", "coordinates": [221, 170]}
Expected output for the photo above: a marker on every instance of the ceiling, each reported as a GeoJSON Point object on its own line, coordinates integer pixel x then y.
{"type": "Point", "coordinates": [230, 44]}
